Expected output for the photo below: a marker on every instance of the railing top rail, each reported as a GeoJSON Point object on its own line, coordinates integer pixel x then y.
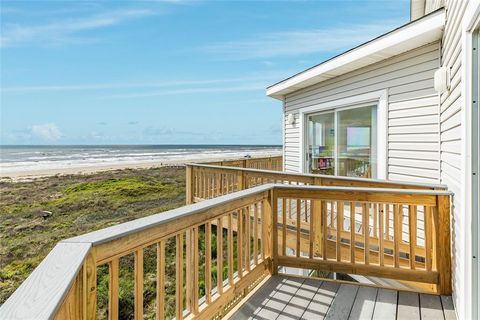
{"type": "Point", "coordinates": [362, 189]}
{"type": "Point", "coordinates": [393, 182]}
{"type": "Point", "coordinates": [127, 228]}
{"type": "Point", "coordinates": [42, 293]}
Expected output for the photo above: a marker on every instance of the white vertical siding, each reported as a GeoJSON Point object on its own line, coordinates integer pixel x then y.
{"type": "Point", "coordinates": [450, 144]}
{"type": "Point", "coordinates": [413, 131]}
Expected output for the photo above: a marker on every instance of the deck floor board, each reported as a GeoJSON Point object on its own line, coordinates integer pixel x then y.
{"type": "Point", "coordinates": [284, 297]}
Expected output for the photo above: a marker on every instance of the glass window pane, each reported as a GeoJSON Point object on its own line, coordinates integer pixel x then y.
{"type": "Point", "coordinates": [356, 142]}
{"type": "Point", "coordinates": [321, 144]}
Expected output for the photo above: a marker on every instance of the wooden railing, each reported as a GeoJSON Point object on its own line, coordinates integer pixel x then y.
{"type": "Point", "coordinates": [250, 229]}
{"type": "Point", "coordinates": [210, 181]}
{"type": "Point", "coordinates": [362, 231]}
{"type": "Point", "coordinates": [274, 163]}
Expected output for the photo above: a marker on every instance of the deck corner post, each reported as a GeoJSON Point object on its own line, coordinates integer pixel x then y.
{"type": "Point", "coordinates": [90, 286]}
{"type": "Point", "coordinates": [274, 231]}
{"type": "Point", "coordinates": [189, 184]}
{"type": "Point", "coordinates": [443, 245]}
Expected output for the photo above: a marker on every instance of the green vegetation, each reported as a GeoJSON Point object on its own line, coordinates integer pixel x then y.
{"type": "Point", "coordinates": [35, 215]}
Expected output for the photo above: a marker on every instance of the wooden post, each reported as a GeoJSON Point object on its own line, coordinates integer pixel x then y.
{"type": "Point", "coordinates": [274, 232]}
{"type": "Point", "coordinates": [267, 230]}
{"type": "Point", "coordinates": [443, 256]}
{"type": "Point", "coordinates": [189, 184]}
{"type": "Point", "coordinates": [90, 286]}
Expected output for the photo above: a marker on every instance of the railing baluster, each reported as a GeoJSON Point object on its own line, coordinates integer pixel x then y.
{"type": "Point", "coordinates": [208, 262]}
{"type": "Point", "coordinates": [230, 249]}
{"type": "Point", "coordinates": [366, 231]}
{"type": "Point", "coordinates": [255, 232]}
{"type": "Point", "coordinates": [220, 255]}
{"type": "Point", "coordinates": [381, 233]}
{"type": "Point", "coordinates": [204, 185]}
{"type": "Point", "coordinates": [247, 238]}
{"type": "Point", "coordinates": [161, 261]}
{"type": "Point", "coordinates": [428, 236]}
{"type": "Point", "coordinates": [387, 221]}
{"type": "Point", "coordinates": [284, 227]}
{"type": "Point", "coordinates": [188, 272]}
{"type": "Point", "coordinates": [323, 205]}
{"type": "Point", "coordinates": [352, 232]}
{"type": "Point", "coordinates": [397, 236]}
{"type": "Point", "coordinates": [138, 284]}
{"type": "Point", "coordinates": [240, 242]}
{"type": "Point", "coordinates": [179, 276]}
{"type": "Point", "coordinates": [339, 229]}
{"type": "Point", "coordinates": [195, 271]}
{"type": "Point", "coordinates": [312, 231]}
{"type": "Point", "coordinates": [113, 289]}
{"type": "Point", "coordinates": [412, 233]}
{"type": "Point", "coordinates": [298, 216]}
{"type": "Point", "coordinates": [264, 230]}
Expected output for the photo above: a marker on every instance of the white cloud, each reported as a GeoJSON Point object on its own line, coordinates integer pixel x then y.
{"type": "Point", "coordinates": [294, 43]}
{"type": "Point", "coordinates": [153, 84]}
{"type": "Point", "coordinates": [64, 31]}
{"type": "Point", "coordinates": [47, 131]}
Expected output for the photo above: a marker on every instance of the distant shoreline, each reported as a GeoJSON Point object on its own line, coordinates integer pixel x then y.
{"type": "Point", "coordinates": [25, 176]}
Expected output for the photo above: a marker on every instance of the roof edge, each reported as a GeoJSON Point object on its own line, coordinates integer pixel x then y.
{"type": "Point", "coordinates": [435, 19]}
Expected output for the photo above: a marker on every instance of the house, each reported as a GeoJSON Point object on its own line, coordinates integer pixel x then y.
{"type": "Point", "coordinates": [403, 106]}
{"type": "Point", "coordinates": [379, 180]}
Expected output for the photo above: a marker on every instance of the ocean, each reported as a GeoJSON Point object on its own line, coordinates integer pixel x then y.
{"type": "Point", "coordinates": [25, 159]}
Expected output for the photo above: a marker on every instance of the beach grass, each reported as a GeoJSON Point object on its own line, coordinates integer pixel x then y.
{"type": "Point", "coordinates": [35, 215]}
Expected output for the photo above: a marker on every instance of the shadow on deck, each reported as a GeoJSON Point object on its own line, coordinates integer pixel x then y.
{"type": "Point", "coordinates": [286, 297]}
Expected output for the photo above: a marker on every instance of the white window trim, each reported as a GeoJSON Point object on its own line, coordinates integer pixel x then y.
{"type": "Point", "coordinates": [471, 22]}
{"type": "Point", "coordinates": [380, 98]}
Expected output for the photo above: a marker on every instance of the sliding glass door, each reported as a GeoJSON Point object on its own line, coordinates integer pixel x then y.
{"type": "Point", "coordinates": [343, 142]}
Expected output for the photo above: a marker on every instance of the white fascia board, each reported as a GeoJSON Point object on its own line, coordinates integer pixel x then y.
{"type": "Point", "coordinates": [413, 35]}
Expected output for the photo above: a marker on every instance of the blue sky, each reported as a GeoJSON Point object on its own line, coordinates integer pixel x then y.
{"type": "Point", "coordinates": [166, 72]}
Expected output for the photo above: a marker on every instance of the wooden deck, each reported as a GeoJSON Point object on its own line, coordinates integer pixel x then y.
{"type": "Point", "coordinates": [284, 297]}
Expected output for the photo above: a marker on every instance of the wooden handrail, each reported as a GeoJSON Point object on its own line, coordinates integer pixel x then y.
{"type": "Point", "coordinates": [274, 163]}
{"type": "Point", "coordinates": [63, 286]}
{"type": "Point", "coordinates": [209, 181]}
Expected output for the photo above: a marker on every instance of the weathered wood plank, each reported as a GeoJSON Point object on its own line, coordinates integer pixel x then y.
{"type": "Point", "coordinates": [448, 308]}
{"type": "Point", "coordinates": [385, 305]}
{"type": "Point", "coordinates": [343, 302]}
{"type": "Point", "coordinates": [253, 305]}
{"type": "Point", "coordinates": [364, 303]}
{"type": "Point", "coordinates": [275, 305]}
{"type": "Point", "coordinates": [430, 307]}
{"type": "Point", "coordinates": [318, 307]}
{"type": "Point", "coordinates": [301, 299]}
{"type": "Point", "coordinates": [408, 306]}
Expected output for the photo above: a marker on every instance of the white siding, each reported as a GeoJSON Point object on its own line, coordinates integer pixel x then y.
{"type": "Point", "coordinates": [450, 144]}
{"type": "Point", "coordinates": [432, 5]}
{"type": "Point", "coordinates": [413, 150]}
{"type": "Point", "coordinates": [413, 130]}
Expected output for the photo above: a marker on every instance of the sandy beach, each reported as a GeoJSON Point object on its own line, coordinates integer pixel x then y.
{"type": "Point", "coordinates": [23, 176]}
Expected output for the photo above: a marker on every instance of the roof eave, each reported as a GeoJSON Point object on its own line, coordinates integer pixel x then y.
{"type": "Point", "coordinates": [410, 36]}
